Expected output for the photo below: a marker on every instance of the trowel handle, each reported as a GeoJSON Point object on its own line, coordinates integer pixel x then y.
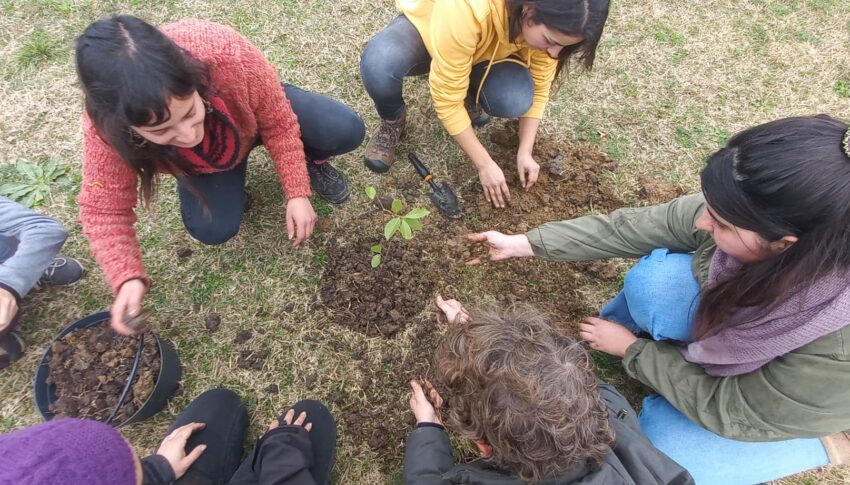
{"type": "Point", "coordinates": [420, 167]}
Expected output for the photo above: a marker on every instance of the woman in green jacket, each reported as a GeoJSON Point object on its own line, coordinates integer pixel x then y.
{"type": "Point", "coordinates": [738, 313]}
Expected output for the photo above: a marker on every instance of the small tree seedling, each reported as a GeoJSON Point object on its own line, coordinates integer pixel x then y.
{"type": "Point", "coordinates": [400, 224]}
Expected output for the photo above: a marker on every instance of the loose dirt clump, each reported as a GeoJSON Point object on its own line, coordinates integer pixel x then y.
{"type": "Point", "coordinates": [570, 185]}
{"type": "Point", "coordinates": [89, 368]}
{"type": "Point", "coordinates": [382, 300]}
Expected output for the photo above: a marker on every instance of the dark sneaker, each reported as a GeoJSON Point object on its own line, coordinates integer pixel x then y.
{"type": "Point", "coordinates": [327, 181]}
{"type": "Point", "coordinates": [11, 349]}
{"type": "Point", "coordinates": [477, 114]}
{"type": "Point", "coordinates": [380, 152]}
{"type": "Point", "coordinates": [63, 271]}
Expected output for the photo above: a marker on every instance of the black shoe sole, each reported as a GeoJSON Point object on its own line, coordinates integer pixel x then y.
{"type": "Point", "coordinates": [376, 166]}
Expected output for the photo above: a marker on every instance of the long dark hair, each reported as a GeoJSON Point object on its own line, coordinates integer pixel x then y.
{"type": "Point", "coordinates": [786, 177]}
{"type": "Point", "coordinates": [578, 18]}
{"type": "Point", "coordinates": [129, 71]}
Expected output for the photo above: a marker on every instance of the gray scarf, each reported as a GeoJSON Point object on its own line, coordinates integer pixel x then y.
{"type": "Point", "coordinates": [806, 315]}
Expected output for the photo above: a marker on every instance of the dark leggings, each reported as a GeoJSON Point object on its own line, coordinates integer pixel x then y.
{"type": "Point", "coordinates": [226, 420]}
{"type": "Point", "coordinates": [328, 128]}
{"type": "Point", "coordinates": [398, 51]}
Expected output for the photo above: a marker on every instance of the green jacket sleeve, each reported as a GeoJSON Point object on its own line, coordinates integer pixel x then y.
{"type": "Point", "coordinates": [802, 394]}
{"type": "Point", "coordinates": [626, 233]}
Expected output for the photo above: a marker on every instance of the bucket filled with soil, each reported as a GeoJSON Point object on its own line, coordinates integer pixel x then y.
{"type": "Point", "coordinates": [91, 372]}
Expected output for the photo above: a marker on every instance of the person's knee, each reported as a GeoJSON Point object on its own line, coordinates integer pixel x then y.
{"type": "Point", "coordinates": [510, 96]}
{"type": "Point", "coordinates": [214, 232]}
{"type": "Point", "coordinates": [350, 130]}
{"type": "Point", "coordinates": [379, 64]}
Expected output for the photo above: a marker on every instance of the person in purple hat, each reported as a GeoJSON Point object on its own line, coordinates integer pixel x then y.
{"type": "Point", "coordinates": [203, 446]}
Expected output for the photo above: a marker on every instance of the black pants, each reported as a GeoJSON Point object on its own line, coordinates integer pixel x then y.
{"type": "Point", "coordinates": [226, 420]}
{"type": "Point", "coordinates": [328, 128]}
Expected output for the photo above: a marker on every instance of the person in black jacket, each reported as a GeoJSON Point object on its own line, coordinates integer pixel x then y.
{"type": "Point", "coordinates": [529, 400]}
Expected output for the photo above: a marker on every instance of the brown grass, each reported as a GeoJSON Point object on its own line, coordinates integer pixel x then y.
{"type": "Point", "coordinates": [673, 78]}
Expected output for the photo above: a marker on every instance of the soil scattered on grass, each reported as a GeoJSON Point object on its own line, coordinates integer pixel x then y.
{"type": "Point", "coordinates": [655, 191]}
{"type": "Point", "coordinates": [252, 359]}
{"type": "Point", "coordinates": [213, 322]}
{"type": "Point", "coordinates": [184, 252]}
{"type": "Point", "coordinates": [89, 368]}
{"type": "Point", "coordinates": [391, 300]}
{"type": "Point", "coordinates": [242, 337]}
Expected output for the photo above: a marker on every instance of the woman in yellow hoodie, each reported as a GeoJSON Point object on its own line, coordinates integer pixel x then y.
{"type": "Point", "coordinates": [482, 57]}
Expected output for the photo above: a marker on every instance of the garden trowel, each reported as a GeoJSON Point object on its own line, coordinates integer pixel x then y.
{"type": "Point", "coordinates": [441, 195]}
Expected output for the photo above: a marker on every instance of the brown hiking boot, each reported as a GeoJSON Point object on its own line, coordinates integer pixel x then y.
{"type": "Point", "coordinates": [837, 447]}
{"type": "Point", "coordinates": [380, 152]}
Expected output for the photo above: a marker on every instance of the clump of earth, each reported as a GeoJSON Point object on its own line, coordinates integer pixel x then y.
{"type": "Point", "coordinates": [89, 368]}
{"type": "Point", "coordinates": [395, 300]}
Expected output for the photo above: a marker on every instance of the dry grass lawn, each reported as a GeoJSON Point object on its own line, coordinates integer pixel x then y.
{"type": "Point", "coordinates": [673, 79]}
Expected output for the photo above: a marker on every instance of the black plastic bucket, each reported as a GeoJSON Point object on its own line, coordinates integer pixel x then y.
{"type": "Point", "coordinates": [167, 381]}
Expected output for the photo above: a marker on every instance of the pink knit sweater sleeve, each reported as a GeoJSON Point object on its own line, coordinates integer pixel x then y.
{"type": "Point", "coordinates": [107, 203]}
{"type": "Point", "coordinates": [276, 122]}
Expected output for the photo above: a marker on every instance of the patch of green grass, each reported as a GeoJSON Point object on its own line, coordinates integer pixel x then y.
{"type": "Point", "coordinates": [842, 88]}
{"type": "Point", "coordinates": [206, 286]}
{"type": "Point", "coordinates": [668, 35]}
{"type": "Point", "coordinates": [585, 131]}
{"type": "Point", "coordinates": [38, 47]}
{"type": "Point", "coordinates": [321, 206]}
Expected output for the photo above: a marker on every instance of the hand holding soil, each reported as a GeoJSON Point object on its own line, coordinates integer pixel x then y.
{"type": "Point", "coordinates": [501, 246]}
{"type": "Point", "coordinates": [128, 303]}
{"type": "Point", "coordinates": [425, 402]}
{"type": "Point", "coordinates": [452, 311]}
{"type": "Point", "coordinates": [173, 448]}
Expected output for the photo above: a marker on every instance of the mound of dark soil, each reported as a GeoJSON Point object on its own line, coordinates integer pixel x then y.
{"type": "Point", "coordinates": [89, 368]}
{"type": "Point", "coordinates": [382, 300]}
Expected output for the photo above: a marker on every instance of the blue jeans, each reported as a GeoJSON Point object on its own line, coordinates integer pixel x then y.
{"type": "Point", "coordinates": [659, 297]}
{"type": "Point", "coordinates": [398, 51]}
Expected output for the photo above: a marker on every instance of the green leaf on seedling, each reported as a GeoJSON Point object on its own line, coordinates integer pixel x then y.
{"type": "Point", "coordinates": [406, 230]}
{"type": "Point", "coordinates": [397, 206]}
{"type": "Point", "coordinates": [371, 192]}
{"type": "Point", "coordinates": [376, 249]}
{"type": "Point", "coordinates": [51, 169]}
{"type": "Point", "coordinates": [391, 227]}
{"type": "Point", "coordinates": [376, 260]}
{"type": "Point", "coordinates": [414, 224]}
{"type": "Point", "coordinates": [417, 213]}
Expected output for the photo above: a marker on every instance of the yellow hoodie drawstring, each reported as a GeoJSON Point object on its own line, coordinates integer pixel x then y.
{"type": "Point", "coordinates": [526, 64]}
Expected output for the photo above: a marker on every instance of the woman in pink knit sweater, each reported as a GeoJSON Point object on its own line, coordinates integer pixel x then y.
{"type": "Point", "coordinates": [192, 100]}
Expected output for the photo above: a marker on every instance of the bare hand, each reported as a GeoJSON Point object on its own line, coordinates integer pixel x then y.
{"type": "Point", "coordinates": [609, 337]}
{"type": "Point", "coordinates": [300, 219]}
{"type": "Point", "coordinates": [528, 170]}
{"type": "Point", "coordinates": [502, 246]}
{"type": "Point", "coordinates": [495, 187]}
{"type": "Point", "coordinates": [452, 310]}
{"type": "Point", "coordinates": [8, 308]}
{"type": "Point", "coordinates": [128, 304]}
{"type": "Point", "coordinates": [173, 448]}
{"type": "Point", "coordinates": [287, 419]}
{"type": "Point", "coordinates": [423, 410]}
